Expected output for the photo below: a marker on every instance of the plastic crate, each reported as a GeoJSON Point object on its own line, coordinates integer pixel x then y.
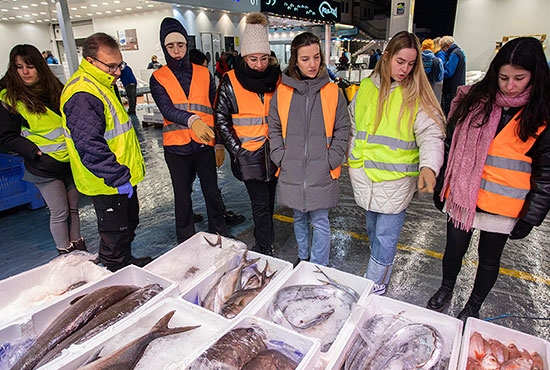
{"type": "Point", "coordinates": [13, 190]}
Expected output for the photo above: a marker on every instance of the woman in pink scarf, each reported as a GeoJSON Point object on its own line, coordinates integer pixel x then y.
{"type": "Point", "coordinates": [497, 177]}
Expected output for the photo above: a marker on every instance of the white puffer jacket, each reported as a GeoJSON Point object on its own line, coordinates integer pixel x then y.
{"type": "Point", "coordinates": [392, 197]}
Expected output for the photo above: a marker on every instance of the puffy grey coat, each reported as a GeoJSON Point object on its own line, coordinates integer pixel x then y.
{"type": "Point", "coordinates": [305, 161]}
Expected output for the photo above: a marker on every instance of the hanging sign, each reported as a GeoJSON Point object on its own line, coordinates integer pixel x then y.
{"type": "Point", "coordinates": [324, 11]}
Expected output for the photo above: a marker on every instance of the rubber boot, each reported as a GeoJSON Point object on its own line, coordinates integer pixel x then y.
{"type": "Point", "coordinates": [472, 307]}
{"type": "Point", "coordinates": [442, 297]}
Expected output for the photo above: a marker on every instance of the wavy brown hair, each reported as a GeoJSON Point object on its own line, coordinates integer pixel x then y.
{"type": "Point", "coordinates": [304, 39]}
{"type": "Point", "coordinates": [416, 88]}
{"type": "Point", "coordinates": [31, 96]}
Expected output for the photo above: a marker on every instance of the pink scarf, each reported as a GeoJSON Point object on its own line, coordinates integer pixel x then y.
{"type": "Point", "coordinates": [467, 156]}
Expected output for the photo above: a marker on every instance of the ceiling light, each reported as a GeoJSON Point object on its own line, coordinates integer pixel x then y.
{"type": "Point", "coordinates": [150, 5]}
{"type": "Point", "coordinates": [98, 13]}
{"type": "Point", "coordinates": [139, 7]}
{"type": "Point", "coordinates": [94, 5]}
{"type": "Point", "coordinates": [24, 6]}
{"type": "Point", "coordinates": [118, 10]}
{"type": "Point", "coordinates": [5, 10]}
{"type": "Point", "coordinates": [33, 4]}
{"type": "Point", "coordinates": [83, 7]}
{"type": "Point", "coordinates": [15, 8]}
{"type": "Point", "coordinates": [107, 12]}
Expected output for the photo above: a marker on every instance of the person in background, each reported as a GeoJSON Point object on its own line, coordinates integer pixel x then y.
{"type": "Point", "coordinates": [221, 65]}
{"type": "Point", "coordinates": [31, 127]}
{"type": "Point", "coordinates": [184, 94]}
{"type": "Point", "coordinates": [48, 56]}
{"type": "Point", "coordinates": [343, 61]}
{"type": "Point", "coordinates": [497, 177]}
{"type": "Point", "coordinates": [154, 63]}
{"type": "Point", "coordinates": [433, 66]}
{"type": "Point", "coordinates": [240, 113]}
{"type": "Point", "coordinates": [437, 50]}
{"type": "Point", "coordinates": [130, 85]}
{"type": "Point", "coordinates": [104, 151]}
{"type": "Point", "coordinates": [455, 71]}
{"type": "Point", "coordinates": [395, 149]}
{"type": "Point", "coordinates": [308, 132]}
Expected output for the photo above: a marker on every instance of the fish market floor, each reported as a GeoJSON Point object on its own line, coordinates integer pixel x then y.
{"type": "Point", "coordinates": [519, 299]}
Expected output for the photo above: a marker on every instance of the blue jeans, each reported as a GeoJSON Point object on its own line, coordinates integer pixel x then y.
{"type": "Point", "coordinates": [383, 231]}
{"type": "Point", "coordinates": [320, 246]}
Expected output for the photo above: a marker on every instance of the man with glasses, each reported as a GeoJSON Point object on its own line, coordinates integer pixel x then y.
{"type": "Point", "coordinates": [184, 94]}
{"type": "Point", "coordinates": [104, 151]}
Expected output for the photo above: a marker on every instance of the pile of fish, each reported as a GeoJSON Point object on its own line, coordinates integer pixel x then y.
{"type": "Point", "coordinates": [493, 354]}
{"type": "Point", "coordinates": [389, 342]}
{"type": "Point", "coordinates": [246, 348]}
{"type": "Point", "coordinates": [128, 356]}
{"type": "Point", "coordinates": [86, 316]}
{"type": "Point", "coordinates": [314, 310]}
{"type": "Point", "coordinates": [231, 292]}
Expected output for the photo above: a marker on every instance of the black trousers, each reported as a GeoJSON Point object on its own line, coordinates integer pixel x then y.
{"type": "Point", "coordinates": [262, 199]}
{"type": "Point", "coordinates": [490, 249]}
{"type": "Point", "coordinates": [446, 99]}
{"type": "Point", "coordinates": [183, 169]}
{"type": "Point", "coordinates": [117, 220]}
{"type": "Point", "coordinates": [132, 97]}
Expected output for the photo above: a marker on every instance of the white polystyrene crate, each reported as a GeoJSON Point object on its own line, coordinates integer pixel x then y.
{"type": "Point", "coordinates": [307, 346]}
{"type": "Point", "coordinates": [168, 353]}
{"type": "Point", "coordinates": [449, 327]}
{"type": "Point", "coordinates": [193, 259]}
{"type": "Point", "coordinates": [34, 324]}
{"type": "Point", "coordinates": [281, 268]}
{"type": "Point", "coordinates": [28, 291]}
{"type": "Point", "coordinates": [504, 335]}
{"type": "Point", "coordinates": [306, 273]}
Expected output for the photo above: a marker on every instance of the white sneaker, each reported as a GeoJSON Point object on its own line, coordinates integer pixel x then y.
{"type": "Point", "coordinates": [379, 289]}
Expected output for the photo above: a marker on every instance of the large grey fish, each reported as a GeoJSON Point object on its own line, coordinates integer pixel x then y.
{"type": "Point", "coordinates": [128, 356]}
{"type": "Point", "coordinates": [402, 341]}
{"type": "Point", "coordinates": [80, 311]}
{"type": "Point", "coordinates": [226, 285]}
{"type": "Point", "coordinates": [271, 359]}
{"type": "Point", "coordinates": [105, 318]}
{"type": "Point", "coordinates": [233, 350]}
{"type": "Point", "coordinates": [241, 298]}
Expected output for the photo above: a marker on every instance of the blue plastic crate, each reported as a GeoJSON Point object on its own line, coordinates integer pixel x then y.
{"type": "Point", "coordinates": [13, 190]}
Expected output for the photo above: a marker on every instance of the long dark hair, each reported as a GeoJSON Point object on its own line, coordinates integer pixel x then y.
{"type": "Point", "coordinates": [304, 39]}
{"type": "Point", "coordinates": [525, 53]}
{"type": "Point", "coordinates": [48, 85]}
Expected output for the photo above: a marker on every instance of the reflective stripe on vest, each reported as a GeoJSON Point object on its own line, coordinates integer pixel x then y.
{"type": "Point", "coordinates": [391, 152]}
{"type": "Point", "coordinates": [44, 130]}
{"type": "Point", "coordinates": [198, 103]}
{"type": "Point", "coordinates": [506, 176]}
{"type": "Point", "coordinates": [329, 103]}
{"type": "Point", "coordinates": [119, 132]}
{"type": "Point", "coordinates": [250, 123]}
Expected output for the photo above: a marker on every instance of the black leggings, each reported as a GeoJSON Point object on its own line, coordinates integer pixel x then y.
{"type": "Point", "coordinates": [489, 249]}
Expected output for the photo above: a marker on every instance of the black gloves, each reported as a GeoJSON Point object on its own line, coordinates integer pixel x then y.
{"type": "Point", "coordinates": [521, 230]}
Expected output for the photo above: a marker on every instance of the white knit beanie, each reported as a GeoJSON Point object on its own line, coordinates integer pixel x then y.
{"type": "Point", "coordinates": [255, 39]}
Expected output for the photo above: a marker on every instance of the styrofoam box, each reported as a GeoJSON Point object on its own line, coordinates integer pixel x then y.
{"type": "Point", "coordinates": [31, 290]}
{"type": "Point", "coordinates": [167, 353]}
{"type": "Point", "coordinates": [192, 260]}
{"type": "Point", "coordinates": [281, 268]}
{"type": "Point", "coordinates": [307, 346]}
{"type": "Point", "coordinates": [504, 335]}
{"type": "Point", "coordinates": [306, 273]}
{"type": "Point", "coordinates": [449, 327]}
{"type": "Point", "coordinates": [34, 324]}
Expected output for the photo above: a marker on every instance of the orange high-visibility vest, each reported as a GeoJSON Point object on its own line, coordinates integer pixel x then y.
{"type": "Point", "coordinates": [505, 180]}
{"type": "Point", "coordinates": [329, 103]}
{"type": "Point", "coordinates": [250, 123]}
{"type": "Point", "coordinates": [198, 103]}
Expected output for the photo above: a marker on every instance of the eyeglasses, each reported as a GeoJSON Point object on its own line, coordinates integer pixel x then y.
{"type": "Point", "coordinates": [112, 67]}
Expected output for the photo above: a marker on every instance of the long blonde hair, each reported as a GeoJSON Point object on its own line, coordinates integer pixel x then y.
{"type": "Point", "coordinates": [416, 88]}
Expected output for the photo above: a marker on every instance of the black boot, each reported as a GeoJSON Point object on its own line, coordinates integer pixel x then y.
{"type": "Point", "coordinates": [442, 297]}
{"type": "Point", "coordinates": [472, 307]}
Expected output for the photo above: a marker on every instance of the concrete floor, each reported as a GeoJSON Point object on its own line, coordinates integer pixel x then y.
{"type": "Point", "coordinates": [522, 290]}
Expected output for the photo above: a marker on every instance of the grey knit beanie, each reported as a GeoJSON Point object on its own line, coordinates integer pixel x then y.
{"type": "Point", "coordinates": [255, 38]}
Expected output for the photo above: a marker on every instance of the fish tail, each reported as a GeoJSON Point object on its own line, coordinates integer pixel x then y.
{"type": "Point", "coordinates": [161, 328]}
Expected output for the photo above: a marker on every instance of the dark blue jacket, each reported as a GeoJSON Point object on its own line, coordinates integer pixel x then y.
{"type": "Point", "coordinates": [455, 69]}
{"type": "Point", "coordinates": [184, 72]}
{"type": "Point", "coordinates": [127, 77]}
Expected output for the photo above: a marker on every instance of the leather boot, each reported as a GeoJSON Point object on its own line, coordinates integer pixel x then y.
{"type": "Point", "coordinates": [442, 297]}
{"type": "Point", "coordinates": [79, 245]}
{"type": "Point", "coordinates": [471, 309]}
